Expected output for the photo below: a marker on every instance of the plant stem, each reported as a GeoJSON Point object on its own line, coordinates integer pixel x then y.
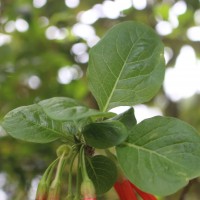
{"type": "Point", "coordinates": [59, 168]}
{"type": "Point", "coordinates": [48, 173]}
{"type": "Point", "coordinates": [83, 166]}
{"type": "Point", "coordinates": [70, 174]}
{"type": "Point", "coordinates": [78, 178]}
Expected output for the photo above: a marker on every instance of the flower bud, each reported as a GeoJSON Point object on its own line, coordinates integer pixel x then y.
{"type": "Point", "coordinates": [42, 191]}
{"type": "Point", "coordinates": [88, 190]}
{"type": "Point", "coordinates": [54, 191]}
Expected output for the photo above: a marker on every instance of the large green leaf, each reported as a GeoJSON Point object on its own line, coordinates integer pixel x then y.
{"type": "Point", "coordinates": [63, 108]}
{"type": "Point", "coordinates": [103, 172]}
{"type": "Point", "coordinates": [127, 66]}
{"type": "Point", "coordinates": [31, 124]}
{"type": "Point", "coordinates": [161, 155]}
{"type": "Point", "coordinates": [105, 134]}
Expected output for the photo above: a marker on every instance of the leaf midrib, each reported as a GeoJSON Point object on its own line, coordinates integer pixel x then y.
{"type": "Point", "coordinates": [118, 78]}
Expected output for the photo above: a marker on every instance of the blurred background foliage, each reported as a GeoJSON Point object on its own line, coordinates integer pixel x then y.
{"type": "Point", "coordinates": [44, 48]}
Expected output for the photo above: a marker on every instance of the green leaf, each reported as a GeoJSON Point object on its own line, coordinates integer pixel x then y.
{"type": "Point", "coordinates": [105, 134]}
{"type": "Point", "coordinates": [161, 155]}
{"type": "Point", "coordinates": [127, 118]}
{"type": "Point", "coordinates": [127, 66]}
{"type": "Point", "coordinates": [103, 173]}
{"type": "Point", "coordinates": [31, 124]}
{"type": "Point", "coordinates": [62, 108]}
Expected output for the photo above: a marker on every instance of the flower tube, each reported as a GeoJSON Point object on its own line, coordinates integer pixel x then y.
{"type": "Point", "coordinates": [125, 190]}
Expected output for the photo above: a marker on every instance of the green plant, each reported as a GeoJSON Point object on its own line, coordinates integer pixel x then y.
{"type": "Point", "coordinates": [159, 155]}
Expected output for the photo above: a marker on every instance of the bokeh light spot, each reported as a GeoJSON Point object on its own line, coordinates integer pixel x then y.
{"type": "Point", "coordinates": [111, 10]}
{"type": "Point", "coordinates": [21, 25]}
{"type": "Point", "coordinates": [72, 3]}
{"type": "Point", "coordinates": [34, 82]}
{"type": "Point", "coordinates": [83, 31]}
{"type": "Point", "coordinates": [179, 8]}
{"type": "Point", "coordinates": [139, 4]}
{"type": "Point", "coordinates": [10, 26]}
{"type": "Point", "coordinates": [193, 33]}
{"type": "Point", "coordinates": [39, 3]}
{"type": "Point", "coordinates": [67, 74]}
{"type": "Point", "coordinates": [3, 195]}
{"type": "Point", "coordinates": [183, 80]}
{"type": "Point", "coordinates": [164, 28]}
{"type": "Point", "coordinates": [4, 39]}
{"type": "Point", "coordinates": [54, 33]}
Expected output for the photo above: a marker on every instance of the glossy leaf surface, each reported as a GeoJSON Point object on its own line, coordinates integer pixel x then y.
{"type": "Point", "coordinates": [103, 173]}
{"type": "Point", "coordinates": [63, 108]}
{"type": "Point", "coordinates": [161, 155]}
{"type": "Point", "coordinates": [105, 134]}
{"type": "Point", "coordinates": [31, 124]}
{"type": "Point", "coordinates": [127, 66]}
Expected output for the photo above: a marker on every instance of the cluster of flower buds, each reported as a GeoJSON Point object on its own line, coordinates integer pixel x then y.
{"type": "Point", "coordinates": [49, 189]}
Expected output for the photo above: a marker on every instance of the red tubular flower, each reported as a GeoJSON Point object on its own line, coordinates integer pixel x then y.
{"type": "Point", "coordinates": [144, 195]}
{"type": "Point", "coordinates": [127, 191]}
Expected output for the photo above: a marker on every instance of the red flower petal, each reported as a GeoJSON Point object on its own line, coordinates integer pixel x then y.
{"type": "Point", "coordinates": [124, 190]}
{"type": "Point", "coordinates": [144, 195]}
